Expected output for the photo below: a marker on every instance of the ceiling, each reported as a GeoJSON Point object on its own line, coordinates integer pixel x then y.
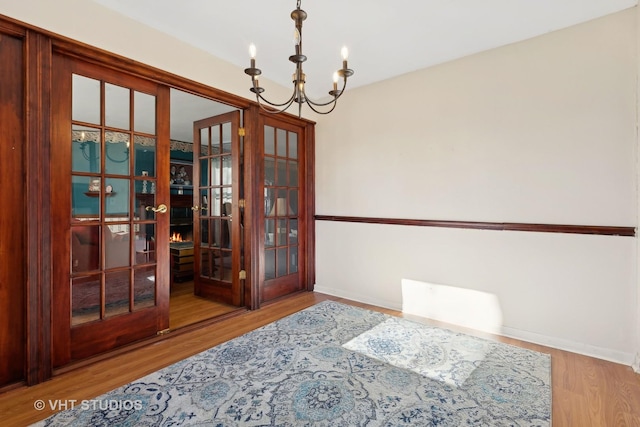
{"type": "Point", "coordinates": [385, 38]}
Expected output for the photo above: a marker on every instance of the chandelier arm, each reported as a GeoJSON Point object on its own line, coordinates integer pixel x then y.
{"type": "Point", "coordinates": [119, 161]}
{"type": "Point", "coordinates": [82, 149]}
{"type": "Point", "coordinates": [313, 106]}
{"type": "Point", "coordinates": [322, 104]}
{"type": "Point", "coordinates": [339, 94]}
{"type": "Point", "coordinates": [274, 110]}
{"type": "Point", "coordinates": [126, 153]}
{"type": "Point", "coordinates": [273, 104]}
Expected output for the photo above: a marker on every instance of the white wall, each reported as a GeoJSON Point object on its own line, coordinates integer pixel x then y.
{"type": "Point", "coordinates": [542, 131]}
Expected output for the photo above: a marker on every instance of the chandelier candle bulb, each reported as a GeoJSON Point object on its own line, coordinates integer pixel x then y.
{"type": "Point", "coordinates": [252, 53]}
{"type": "Point", "coordinates": [345, 56]}
{"type": "Point", "coordinates": [335, 81]}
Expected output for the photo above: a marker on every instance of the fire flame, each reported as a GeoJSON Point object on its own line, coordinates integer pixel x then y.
{"type": "Point", "coordinates": [175, 237]}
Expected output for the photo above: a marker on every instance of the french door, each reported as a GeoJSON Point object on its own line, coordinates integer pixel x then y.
{"type": "Point", "coordinates": [287, 203]}
{"type": "Point", "coordinates": [217, 221]}
{"type": "Point", "coordinates": [110, 228]}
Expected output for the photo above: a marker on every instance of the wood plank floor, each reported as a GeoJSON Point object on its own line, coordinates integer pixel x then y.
{"type": "Point", "coordinates": [186, 309]}
{"type": "Point", "coordinates": [586, 391]}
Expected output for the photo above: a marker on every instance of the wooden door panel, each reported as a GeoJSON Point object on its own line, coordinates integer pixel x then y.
{"type": "Point", "coordinates": [89, 339]}
{"type": "Point", "coordinates": [12, 214]}
{"type": "Point", "coordinates": [277, 288]}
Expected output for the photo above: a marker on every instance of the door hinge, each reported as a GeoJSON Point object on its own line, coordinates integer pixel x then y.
{"type": "Point", "coordinates": [243, 274]}
{"type": "Point", "coordinates": [242, 203]}
{"type": "Point", "coordinates": [241, 132]}
{"type": "Point", "coordinates": [163, 332]}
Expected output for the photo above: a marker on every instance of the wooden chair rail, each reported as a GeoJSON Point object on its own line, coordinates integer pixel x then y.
{"type": "Point", "coordinates": [496, 226]}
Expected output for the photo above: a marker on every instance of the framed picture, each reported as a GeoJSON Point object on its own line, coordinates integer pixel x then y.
{"type": "Point", "coordinates": [180, 173]}
{"type": "Point", "coordinates": [94, 185]}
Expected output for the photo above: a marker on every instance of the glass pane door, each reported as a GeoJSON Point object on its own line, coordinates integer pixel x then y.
{"type": "Point", "coordinates": [283, 192]}
{"type": "Point", "coordinates": [112, 183]}
{"type": "Point", "coordinates": [216, 215]}
{"type": "Point", "coordinates": [110, 249]}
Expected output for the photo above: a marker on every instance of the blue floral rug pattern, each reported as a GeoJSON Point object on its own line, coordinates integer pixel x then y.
{"type": "Point", "coordinates": [337, 365]}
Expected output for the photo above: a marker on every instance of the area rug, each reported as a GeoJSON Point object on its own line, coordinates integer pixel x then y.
{"type": "Point", "coordinates": [336, 365]}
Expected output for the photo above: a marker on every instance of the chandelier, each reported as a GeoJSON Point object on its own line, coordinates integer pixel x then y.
{"type": "Point", "coordinates": [299, 96]}
{"type": "Point", "coordinates": [89, 141]}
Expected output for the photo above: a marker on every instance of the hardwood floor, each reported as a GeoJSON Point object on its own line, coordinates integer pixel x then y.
{"type": "Point", "coordinates": [586, 391]}
{"type": "Point", "coordinates": [186, 309]}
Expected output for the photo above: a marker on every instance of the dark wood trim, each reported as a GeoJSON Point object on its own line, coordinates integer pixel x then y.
{"type": "Point", "coordinates": [60, 322]}
{"type": "Point", "coordinates": [121, 64]}
{"type": "Point", "coordinates": [12, 28]}
{"type": "Point", "coordinates": [497, 226]}
{"type": "Point", "coordinates": [310, 203]}
{"type": "Point", "coordinates": [13, 216]}
{"type": "Point", "coordinates": [162, 221]}
{"type": "Point", "coordinates": [37, 207]}
{"type": "Point", "coordinates": [253, 209]}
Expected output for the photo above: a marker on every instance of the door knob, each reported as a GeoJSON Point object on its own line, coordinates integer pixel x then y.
{"type": "Point", "coordinates": [195, 208]}
{"type": "Point", "coordinates": [160, 209]}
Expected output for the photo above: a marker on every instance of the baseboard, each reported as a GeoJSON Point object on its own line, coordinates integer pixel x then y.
{"type": "Point", "coordinates": [636, 364]}
{"type": "Point", "coordinates": [392, 305]}
{"type": "Point", "coordinates": [549, 341]}
{"type": "Point", "coordinates": [571, 346]}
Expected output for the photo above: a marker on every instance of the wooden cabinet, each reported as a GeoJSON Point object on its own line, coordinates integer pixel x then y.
{"type": "Point", "coordinates": [181, 261]}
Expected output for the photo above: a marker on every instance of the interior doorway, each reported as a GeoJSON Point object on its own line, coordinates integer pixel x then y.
{"type": "Point", "coordinates": [189, 177]}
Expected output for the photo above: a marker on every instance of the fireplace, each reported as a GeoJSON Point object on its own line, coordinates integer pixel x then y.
{"type": "Point", "coordinates": [181, 220]}
{"type": "Point", "coordinates": [181, 252]}
{"type": "Point", "coordinates": [181, 237]}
